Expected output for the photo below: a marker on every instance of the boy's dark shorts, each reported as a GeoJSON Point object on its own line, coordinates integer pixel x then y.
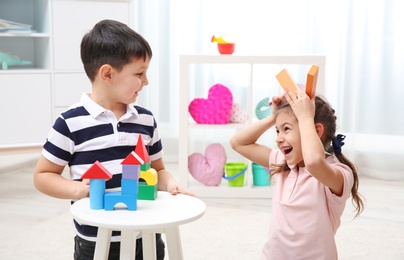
{"type": "Point", "coordinates": [84, 250]}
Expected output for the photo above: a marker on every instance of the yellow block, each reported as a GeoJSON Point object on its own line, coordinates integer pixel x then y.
{"type": "Point", "coordinates": [150, 176]}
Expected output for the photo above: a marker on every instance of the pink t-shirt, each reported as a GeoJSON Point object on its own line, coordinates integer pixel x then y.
{"type": "Point", "coordinates": [305, 214]}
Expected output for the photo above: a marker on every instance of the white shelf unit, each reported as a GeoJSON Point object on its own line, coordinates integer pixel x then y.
{"type": "Point", "coordinates": [25, 91]}
{"type": "Point", "coordinates": [32, 96]}
{"type": "Point", "coordinates": [187, 127]}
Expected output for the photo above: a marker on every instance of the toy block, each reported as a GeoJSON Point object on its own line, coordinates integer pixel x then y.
{"type": "Point", "coordinates": [97, 171]}
{"type": "Point", "coordinates": [130, 171]}
{"type": "Point", "coordinates": [133, 159]}
{"type": "Point", "coordinates": [139, 156]}
{"type": "Point", "coordinates": [98, 175]}
{"type": "Point", "coordinates": [147, 192]}
{"type": "Point", "coordinates": [145, 166]}
{"type": "Point", "coordinates": [97, 191]}
{"type": "Point", "coordinates": [112, 198]}
{"type": "Point", "coordinates": [129, 187]}
{"type": "Point", "coordinates": [149, 176]}
{"type": "Point", "coordinates": [286, 80]}
{"type": "Point", "coordinates": [311, 81]}
{"type": "Point", "coordinates": [141, 150]}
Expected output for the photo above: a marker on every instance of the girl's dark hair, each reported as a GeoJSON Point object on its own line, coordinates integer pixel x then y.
{"type": "Point", "coordinates": [325, 115]}
{"type": "Point", "coordinates": [114, 43]}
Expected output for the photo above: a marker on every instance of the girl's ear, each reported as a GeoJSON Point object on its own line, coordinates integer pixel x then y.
{"type": "Point", "coordinates": [319, 129]}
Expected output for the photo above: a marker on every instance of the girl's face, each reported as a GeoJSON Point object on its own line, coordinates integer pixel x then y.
{"type": "Point", "coordinates": [130, 81]}
{"type": "Point", "coordinates": [288, 137]}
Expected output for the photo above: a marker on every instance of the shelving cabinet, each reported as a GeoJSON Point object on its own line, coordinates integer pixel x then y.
{"type": "Point", "coordinates": [25, 91]}
{"type": "Point", "coordinates": [250, 79]}
{"type": "Point", "coordinates": [32, 96]}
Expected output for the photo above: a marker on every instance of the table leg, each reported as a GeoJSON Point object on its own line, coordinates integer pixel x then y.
{"type": "Point", "coordinates": [102, 244]}
{"type": "Point", "coordinates": [149, 245]}
{"type": "Point", "coordinates": [128, 244]}
{"type": "Point", "coordinates": [174, 243]}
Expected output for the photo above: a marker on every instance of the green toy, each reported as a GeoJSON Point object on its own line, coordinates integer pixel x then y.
{"type": "Point", "coordinates": [148, 184]}
{"type": "Point", "coordinates": [9, 60]}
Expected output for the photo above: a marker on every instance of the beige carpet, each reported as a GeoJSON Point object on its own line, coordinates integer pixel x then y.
{"type": "Point", "coordinates": [222, 233]}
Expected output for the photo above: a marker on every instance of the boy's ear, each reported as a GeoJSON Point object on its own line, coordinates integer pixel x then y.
{"type": "Point", "coordinates": [319, 129]}
{"type": "Point", "coordinates": [105, 72]}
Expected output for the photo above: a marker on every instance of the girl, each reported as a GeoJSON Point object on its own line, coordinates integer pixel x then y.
{"type": "Point", "coordinates": [310, 188]}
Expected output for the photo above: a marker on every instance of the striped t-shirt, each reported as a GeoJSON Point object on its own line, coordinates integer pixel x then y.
{"type": "Point", "coordinates": [87, 132]}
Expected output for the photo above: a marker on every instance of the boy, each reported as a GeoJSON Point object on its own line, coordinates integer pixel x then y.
{"type": "Point", "coordinates": [104, 126]}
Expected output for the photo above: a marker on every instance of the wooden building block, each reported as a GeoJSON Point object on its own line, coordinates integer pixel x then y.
{"type": "Point", "coordinates": [286, 80]}
{"type": "Point", "coordinates": [147, 192]}
{"type": "Point", "coordinates": [113, 198]}
{"type": "Point", "coordinates": [311, 81]}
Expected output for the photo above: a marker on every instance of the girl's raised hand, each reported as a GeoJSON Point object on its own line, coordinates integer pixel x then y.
{"type": "Point", "coordinates": [276, 102]}
{"type": "Point", "coordinates": [301, 104]}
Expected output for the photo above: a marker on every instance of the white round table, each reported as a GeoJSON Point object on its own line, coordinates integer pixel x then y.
{"type": "Point", "coordinates": [163, 215]}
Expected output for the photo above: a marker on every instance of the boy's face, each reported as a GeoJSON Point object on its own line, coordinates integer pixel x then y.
{"type": "Point", "coordinates": [128, 82]}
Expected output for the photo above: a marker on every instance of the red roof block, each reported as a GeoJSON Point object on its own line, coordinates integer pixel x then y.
{"type": "Point", "coordinates": [97, 171]}
{"type": "Point", "coordinates": [139, 156]}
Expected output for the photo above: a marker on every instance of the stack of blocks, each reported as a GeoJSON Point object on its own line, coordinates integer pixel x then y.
{"type": "Point", "coordinates": [147, 187]}
{"type": "Point", "coordinates": [136, 165]}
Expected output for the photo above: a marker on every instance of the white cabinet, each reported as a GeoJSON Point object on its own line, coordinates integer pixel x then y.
{"type": "Point", "coordinates": [32, 46]}
{"type": "Point", "coordinates": [25, 91]}
{"type": "Point", "coordinates": [25, 108]}
{"type": "Point", "coordinates": [32, 96]}
{"type": "Point", "coordinates": [250, 79]}
{"type": "Point", "coordinates": [73, 19]}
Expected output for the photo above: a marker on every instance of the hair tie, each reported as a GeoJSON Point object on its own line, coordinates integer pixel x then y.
{"type": "Point", "coordinates": [337, 143]}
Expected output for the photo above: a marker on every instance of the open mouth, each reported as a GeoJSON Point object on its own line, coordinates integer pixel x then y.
{"type": "Point", "coordinates": [287, 150]}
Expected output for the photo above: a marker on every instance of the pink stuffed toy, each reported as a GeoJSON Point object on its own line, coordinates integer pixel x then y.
{"type": "Point", "coordinates": [209, 168]}
{"type": "Point", "coordinates": [216, 109]}
{"type": "Point", "coordinates": [237, 116]}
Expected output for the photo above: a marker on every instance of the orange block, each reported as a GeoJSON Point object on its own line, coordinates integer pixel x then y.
{"type": "Point", "coordinates": [311, 81]}
{"type": "Point", "coordinates": [286, 80]}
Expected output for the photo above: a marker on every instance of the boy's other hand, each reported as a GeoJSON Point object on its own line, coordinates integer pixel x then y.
{"type": "Point", "coordinates": [175, 189]}
{"type": "Point", "coordinates": [83, 189]}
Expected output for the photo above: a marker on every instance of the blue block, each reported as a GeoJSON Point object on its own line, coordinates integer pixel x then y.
{"type": "Point", "coordinates": [113, 198]}
{"type": "Point", "coordinates": [97, 191]}
{"type": "Point", "coordinates": [129, 187]}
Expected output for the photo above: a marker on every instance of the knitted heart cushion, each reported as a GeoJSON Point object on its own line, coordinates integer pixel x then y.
{"type": "Point", "coordinates": [215, 109]}
{"type": "Point", "coordinates": [208, 169]}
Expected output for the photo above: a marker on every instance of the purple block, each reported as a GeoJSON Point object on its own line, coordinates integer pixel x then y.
{"type": "Point", "coordinates": [130, 172]}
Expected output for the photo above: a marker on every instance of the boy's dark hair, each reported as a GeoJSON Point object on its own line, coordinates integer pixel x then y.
{"type": "Point", "coordinates": [114, 43]}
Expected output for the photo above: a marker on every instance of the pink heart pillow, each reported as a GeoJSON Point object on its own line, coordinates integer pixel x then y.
{"type": "Point", "coordinates": [237, 116]}
{"type": "Point", "coordinates": [215, 109]}
{"type": "Point", "coordinates": [208, 169]}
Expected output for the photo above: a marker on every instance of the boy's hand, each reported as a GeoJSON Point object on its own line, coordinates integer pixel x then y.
{"type": "Point", "coordinates": [175, 189]}
{"type": "Point", "coordinates": [82, 188]}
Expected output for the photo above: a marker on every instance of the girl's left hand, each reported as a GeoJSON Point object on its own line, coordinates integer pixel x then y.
{"type": "Point", "coordinates": [301, 104]}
